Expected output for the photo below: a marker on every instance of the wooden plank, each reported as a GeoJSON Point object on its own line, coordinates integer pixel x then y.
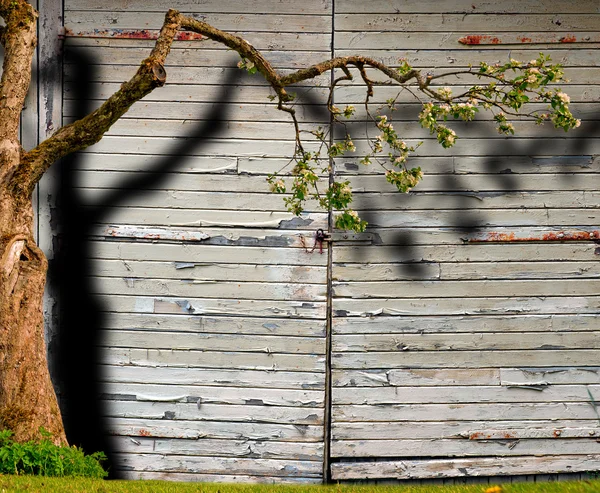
{"type": "Point", "coordinates": [466, 271]}
{"type": "Point", "coordinates": [213, 429]}
{"type": "Point", "coordinates": [461, 377]}
{"type": "Point", "coordinates": [204, 55]}
{"type": "Point", "coordinates": [440, 203]}
{"type": "Point", "coordinates": [351, 92]}
{"type": "Point", "coordinates": [207, 218]}
{"type": "Point", "coordinates": [480, 411]}
{"type": "Point", "coordinates": [212, 412]}
{"type": "Point", "coordinates": [559, 375]}
{"type": "Point", "coordinates": [200, 271]}
{"type": "Point", "coordinates": [460, 341]}
{"type": "Point", "coordinates": [205, 254]}
{"type": "Point", "coordinates": [208, 236]}
{"type": "Point", "coordinates": [215, 342]}
{"type": "Point", "coordinates": [469, 324]}
{"type": "Point", "coordinates": [217, 465]}
{"type": "Point", "coordinates": [465, 289]}
{"type": "Point", "coordinates": [176, 358]}
{"type": "Point", "coordinates": [211, 307]}
{"type": "Point", "coordinates": [463, 394]}
{"type": "Point", "coordinates": [306, 385]}
{"type": "Point", "coordinates": [305, 451]}
{"type": "Point", "coordinates": [538, 270]}
{"type": "Point", "coordinates": [465, 7]}
{"type": "Point", "coordinates": [385, 47]}
{"type": "Point", "coordinates": [212, 288]}
{"type": "Point", "coordinates": [414, 377]}
{"type": "Point", "coordinates": [215, 403]}
{"type": "Point", "coordinates": [274, 22]}
{"type": "Point", "coordinates": [464, 448]}
{"type": "Point", "coordinates": [201, 111]}
{"type": "Point", "coordinates": [221, 325]}
{"type": "Point", "coordinates": [248, 7]}
{"type": "Point", "coordinates": [465, 359]}
{"type": "Point", "coordinates": [439, 468]}
{"type": "Point", "coordinates": [472, 430]}
{"type": "Point", "coordinates": [463, 39]}
{"type": "Point", "coordinates": [314, 42]}
{"type": "Point", "coordinates": [191, 75]}
{"type": "Point", "coordinates": [222, 477]}
{"type": "Point", "coordinates": [517, 252]}
{"type": "Point", "coordinates": [472, 22]}
{"type": "Point", "coordinates": [451, 183]}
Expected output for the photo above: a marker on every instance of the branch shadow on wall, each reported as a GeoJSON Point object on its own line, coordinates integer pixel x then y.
{"type": "Point", "coordinates": [77, 347]}
{"type": "Point", "coordinates": [504, 177]}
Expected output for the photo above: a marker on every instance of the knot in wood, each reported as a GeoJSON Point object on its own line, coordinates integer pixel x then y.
{"type": "Point", "coordinates": [160, 74]}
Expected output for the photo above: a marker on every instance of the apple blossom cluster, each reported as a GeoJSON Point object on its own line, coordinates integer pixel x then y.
{"type": "Point", "coordinates": [508, 88]}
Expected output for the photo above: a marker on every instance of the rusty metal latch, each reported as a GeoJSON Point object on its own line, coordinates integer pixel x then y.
{"type": "Point", "coordinates": [322, 236]}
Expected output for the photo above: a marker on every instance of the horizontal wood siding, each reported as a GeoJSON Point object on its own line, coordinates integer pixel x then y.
{"type": "Point", "coordinates": [454, 355]}
{"type": "Point", "coordinates": [213, 356]}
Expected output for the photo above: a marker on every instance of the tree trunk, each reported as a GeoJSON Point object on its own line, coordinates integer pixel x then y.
{"type": "Point", "coordinates": [27, 398]}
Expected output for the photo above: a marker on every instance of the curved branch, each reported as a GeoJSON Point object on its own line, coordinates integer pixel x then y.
{"type": "Point", "coordinates": [91, 128]}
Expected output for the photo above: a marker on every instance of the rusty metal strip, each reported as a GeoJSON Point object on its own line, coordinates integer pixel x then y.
{"type": "Point", "coordinates": [130, 34]}
{"type": "Point", "coordinates": [537, 38]}
{"type": "Point", "coordinates": [552, 236]}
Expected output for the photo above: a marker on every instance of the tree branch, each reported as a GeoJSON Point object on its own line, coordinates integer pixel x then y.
{"type": "Point", "coordinates": [90, 129]}
{"type": "Point", "coordinates": [19, 39]}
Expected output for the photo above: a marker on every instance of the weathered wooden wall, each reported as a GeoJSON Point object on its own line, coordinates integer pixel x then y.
{"type": "Point", "coordinates": [214, 359]}
{"type": "Point", "coordinates": [453, 353]}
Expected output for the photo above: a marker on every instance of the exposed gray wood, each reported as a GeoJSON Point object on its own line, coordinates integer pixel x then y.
{"type": "Point", "coordinates": [210, 465]}
{"type": "Point", "coordinates": [305, 385]}
{"type": "Point", "coordinates": [465, 289]}
{"type": "Point", "coordinates": [466, 394]}
{"type": "Point", "coordinates": [212, 307]}
{"type": "Point", "coordinates": [250, 6]}
{"type": "Point", "coordinates": [468, 324]}
{"type": "Point", "coordinates": [213, 342]}
{"type": "Point", "coordinates": [222, 477]}
{"type": "Point", "coordinates": [479, 411]}
{"type": "Point", "coordinates": [414, 377]}
{"type": "Point", "coordinates": [204, 359]}
{"type": "Point", "coordinates": [463, 253]}
{"type": "Point", "coordinates": [213, 429]}
{"type": "Point", "coordinates": [550, 375]}
{"type": "Point", "coordinates": [204, 55]}
{"type": "Point", "coordinates": [206, 254]}
{"type": "Point", "coordinates": [472, 22]}
{"type": "Point", "coordinates": [219, 325]}
{"type": "Point", "coordinates": [464, 7]}
{"type": "Point", "coordinates": [274, 22]}
{"type": "Point", "coordinates": [314, 42]}
{"type": "Point", "coordinates": [210, 289]}
{"type": "Point", "coordinates": [457, 342]}
{"type": "Point", "coordinates": [221, 402]}
{"type": "Point", "coordinates": [411, 469]}
{"type": "Point", "coordinates": [471, 430]}
{"type": "Point", "coordinates": [214, 412]}
{"type": "Point", "coordinates": [385, 47]}
{"type": "Point", "coordinates": [308, 451]}
{"type": "Point", "coordinates": [465, 359]}
{"type": "Point", "coordinates": [466, 271]}
{"type": "Point", "coordinates": [444, 377]}
{"type": "Point", "coordinates": [464, 448]}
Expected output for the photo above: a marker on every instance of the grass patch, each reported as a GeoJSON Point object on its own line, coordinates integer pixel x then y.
{"type": "Point", "coordinates": [9, 483]}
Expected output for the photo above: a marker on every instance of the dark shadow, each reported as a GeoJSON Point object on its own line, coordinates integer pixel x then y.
{"type": "Point", "coordinates": [77, 346]}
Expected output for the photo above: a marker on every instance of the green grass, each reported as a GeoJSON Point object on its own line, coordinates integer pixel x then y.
{"type": "Point", "coordinates": [9, 483]}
